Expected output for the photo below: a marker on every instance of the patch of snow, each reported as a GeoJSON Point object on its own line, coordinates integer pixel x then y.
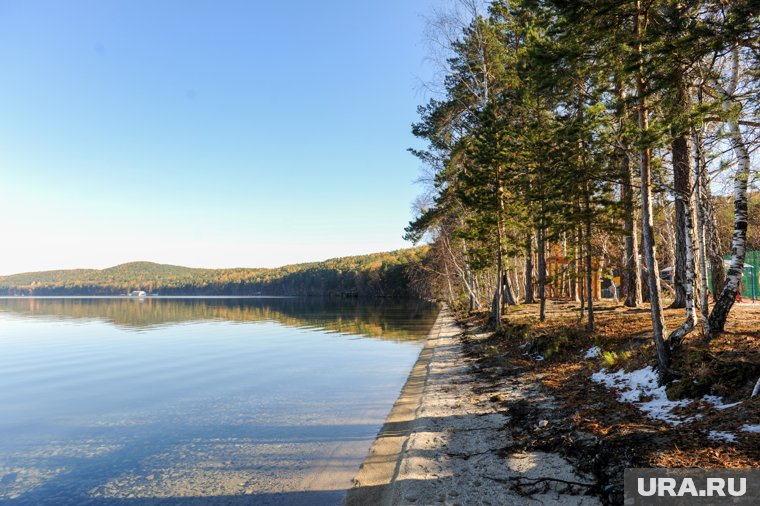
{"type": "Point", "coordinates": [751, 428]}
{"type": "Point", "coordinates": [717, 402]}
{"type": "Point", "coordinates": [640, 389]}
{"type": "Point", "coordinates": [593, 352]}
{"type": "Point", "coordinates": [720, 435]}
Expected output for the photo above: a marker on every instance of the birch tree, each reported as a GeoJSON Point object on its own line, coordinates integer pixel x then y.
{"type": "Point", "coordinates": [727, 94]}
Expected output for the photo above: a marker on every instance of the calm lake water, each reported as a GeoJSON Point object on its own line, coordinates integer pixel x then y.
{"type": "Point", "coordinates": [196, 401]}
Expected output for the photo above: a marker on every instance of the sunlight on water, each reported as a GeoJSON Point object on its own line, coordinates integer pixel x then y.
{"type": "Point", "coordinates": [196, 401]}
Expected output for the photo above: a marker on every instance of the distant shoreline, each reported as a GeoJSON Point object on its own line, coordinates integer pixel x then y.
{"type": "Point", "coordinates": [387, 274]}
{"type": "Point", "coordinates": [133, 297]}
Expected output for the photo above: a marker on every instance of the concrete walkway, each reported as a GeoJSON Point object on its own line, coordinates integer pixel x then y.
{"type": "Point", "coordinates": [443, 443]}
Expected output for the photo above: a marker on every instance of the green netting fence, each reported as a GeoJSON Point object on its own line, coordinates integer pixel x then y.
{"type": "Point", "coordinates": [750, 288]}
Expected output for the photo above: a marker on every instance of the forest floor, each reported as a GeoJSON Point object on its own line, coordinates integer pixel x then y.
{"type": "Point", "coordinates": [608, 413]}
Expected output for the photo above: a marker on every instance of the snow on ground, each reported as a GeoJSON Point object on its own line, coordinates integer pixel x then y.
{"type": "Point", "coordinates": [717, 402]}
{"type": "Point", "coordinates": [751, 428]}
{"type": "Point", "coordinates": [722, 436]}
{"type": "Point", "coordinates": [593, 352]}
{"type": "Point", "coordinates": [640, 388]}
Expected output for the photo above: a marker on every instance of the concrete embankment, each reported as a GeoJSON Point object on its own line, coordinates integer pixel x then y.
{"type": "Point", "coordinates": [445, 442]}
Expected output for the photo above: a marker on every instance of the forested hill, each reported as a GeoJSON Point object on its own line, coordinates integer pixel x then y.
{"type": "Point", "coordinates": [378, 274]}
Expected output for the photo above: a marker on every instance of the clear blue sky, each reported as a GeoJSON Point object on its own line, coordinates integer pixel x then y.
{"type": "Point", "coordinates": [206, 133]}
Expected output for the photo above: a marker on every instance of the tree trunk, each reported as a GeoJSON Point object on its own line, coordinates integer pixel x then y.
{"type": "Point", "coordinates": [677, 336]}
{"type": "Point", "coordinates": [604, 267]}
{"type": "Point", "coordinates": [542, 273]}
{"type": "Point", "coordinates": [464, 274]}
{"type": "Point", "coordinates": [475, 288]}
{"type": "Point", "coordinates": [682, 185]}
{"type": "Point", "coordinates": [699, 196]}
{"type": "Point", "coordinates": [573, 271]}
{"type": "Point", "coordinates": [448, 282]}
{"type": "Point", "coordinates": [516, 281]}
{"type": "Point", "coordinates": [471, 281]}
{"type": "Point", "coordinates": [474, 302]}
{"type": "Point", "coordinates": [509, 294]}
{"type": "Point", "coordinates": [713, 247]}
{"type": "Point", "coordinates": [581, 270]}
{"type": "Point", "coordinates": [632, 275]}
{"type": "Point", "coordinates": [498, 295]}
{"type": "Point", "coordinates": [653, 271]}
{"type": "Point", "coordinates": [564, 289]}
{"type": "Point", "coordinates": [589, 266]}
{"type": "Point", "coordinates": [683, 182]}
{"type": "Point", "coordinates": [529, 299]}
{"type": "Point", "coordinates": [589, 278]}
{"type": "Point", "coordinates": [727, 297]}
{"type": "Point", "coordinates": [712, 239]}
{"type": "Point", "coordinates": [631, 279]}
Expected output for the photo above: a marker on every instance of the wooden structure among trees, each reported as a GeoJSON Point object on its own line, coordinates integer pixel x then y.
{"type": "Point", "coordinates": [558, 276]}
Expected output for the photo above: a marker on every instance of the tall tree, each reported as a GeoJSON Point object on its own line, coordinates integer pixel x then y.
{"type": "Point", "coordinates": [641, 21]}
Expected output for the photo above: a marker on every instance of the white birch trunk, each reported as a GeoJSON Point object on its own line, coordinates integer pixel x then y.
{"type": "Point", "coordinates": [738, 246]}
{"type": "Point", "coordinates": [677, 336]}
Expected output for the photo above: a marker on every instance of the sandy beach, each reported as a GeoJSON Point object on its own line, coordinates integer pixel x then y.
{"type": "Point", "coordinates": [446, 442]}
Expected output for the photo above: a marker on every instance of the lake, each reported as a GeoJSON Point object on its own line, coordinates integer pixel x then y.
{"type": "Point", "coordinates": [197, 401]}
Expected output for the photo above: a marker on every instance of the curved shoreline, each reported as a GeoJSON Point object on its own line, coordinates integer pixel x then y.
{"type": "Point", "coordinates": [374, 482]}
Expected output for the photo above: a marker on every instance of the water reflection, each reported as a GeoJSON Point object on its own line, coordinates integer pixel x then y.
{"type": "Point", "coordinates": [195, 401]}
{"type": "Point", "coordinates": [390, 319]}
